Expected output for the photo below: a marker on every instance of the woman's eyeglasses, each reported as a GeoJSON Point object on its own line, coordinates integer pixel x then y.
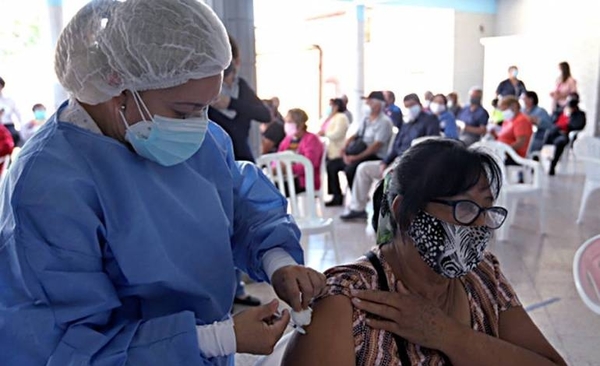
{"type": "Point", "coordinates": [466, 212]}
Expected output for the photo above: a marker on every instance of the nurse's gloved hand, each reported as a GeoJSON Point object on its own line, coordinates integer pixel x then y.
{"type": "Point", "coordinates": [290, 282]}
{"type": "Point", "coordinates": [258, 329]}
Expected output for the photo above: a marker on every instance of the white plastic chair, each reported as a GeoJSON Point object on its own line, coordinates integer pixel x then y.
{"type": "Point", "coordinates": [309, 222]}
{"type": "Point", "coordinates": [512, 192]}
{"type": "Point", "coordinates": [586, 273]}
{"type": "Point", "coordinates": [587, 150]}
{"type": "Point", "coordinates": [5, 162]}
{"type": "Point", "coordinates": [565, 165]}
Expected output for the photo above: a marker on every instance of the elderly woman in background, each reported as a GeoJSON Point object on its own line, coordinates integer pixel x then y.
{"type": "Point", "coordinates": [304, 143]}
{"type": "Point", "coordinates": [125, 215]}
{"type": "Point", "coordinates": [430, 294]}
{"type": "Point", "coordinates": [334, 128]}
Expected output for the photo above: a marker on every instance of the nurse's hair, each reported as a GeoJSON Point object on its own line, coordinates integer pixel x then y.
{"type": "Point", "coordinates": [298, 116]}
{"type": "Point", "coordinates": [432, 169]}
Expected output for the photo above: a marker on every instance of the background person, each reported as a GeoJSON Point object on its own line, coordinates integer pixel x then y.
{"type": "Point", "coordinates": [334, 128]}
{"type": "Point", "coordinates": [475, 118]}
{"type": "Point", "coordinates": [511, 86]}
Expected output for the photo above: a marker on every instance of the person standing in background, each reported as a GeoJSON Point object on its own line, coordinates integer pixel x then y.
{"type": "Point", "coordinates": [237, 106]}
{"type": "Point", "coordinates": [565, 86]}
{"type": "Point", "coordinates": [11, 118]}
{"type": "Point", "coordinates": [391, 109]}
{"type": "Point", "coordinates": [453, 105]}
{"type": "Point", "coordinates": [29, 128]}
{"type": "Point", "coordinates": [512, 85]}
{"type": "Point", "coordinates": [234, 110]}
{"type": "Point", "coordinates": [334, 128]}
{"type": "Point", "coordinates": [475, 118]}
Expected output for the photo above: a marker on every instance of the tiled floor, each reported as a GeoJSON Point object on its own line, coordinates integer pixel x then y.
{"type": "Point", "coordinates": [538, 266]}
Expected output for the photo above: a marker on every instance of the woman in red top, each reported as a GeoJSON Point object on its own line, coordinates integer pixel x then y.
{"type": "Point", "coordinates": [7, 143]}
{"type": "Point", "coordinates": [570, 119]}
{"type": "Point", "coordinates": [304, 143]}
{"type": "Point", "coordinates": [517, 128]}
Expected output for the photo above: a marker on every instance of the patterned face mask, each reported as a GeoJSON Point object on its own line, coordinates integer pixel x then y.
{"type": "Point", "coordinates": [450, 250]}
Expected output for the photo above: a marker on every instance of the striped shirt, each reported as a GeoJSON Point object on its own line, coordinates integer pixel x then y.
{"type": "Point", "coordinates": [487, 289]}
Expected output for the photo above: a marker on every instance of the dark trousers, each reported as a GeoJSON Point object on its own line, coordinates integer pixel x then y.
{"type": "Point", "coordinates": [560, 140]}
{"type": "Point", "coordinates": [351, 169]}
{"type": "Point", "coordinates": [334, 166]}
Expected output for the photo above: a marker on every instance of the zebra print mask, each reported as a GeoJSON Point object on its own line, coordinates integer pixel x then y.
{"type": "Point", "coordinates": [450, 250]}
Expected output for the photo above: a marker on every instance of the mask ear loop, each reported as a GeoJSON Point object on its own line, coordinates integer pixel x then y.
{"type": "Point", "coordinates": [138, 101]}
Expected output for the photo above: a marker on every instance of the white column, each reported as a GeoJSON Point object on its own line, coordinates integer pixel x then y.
{"type": "Point", "coordinates": [359, 85]}
{"type": "Point", "coordinates": [55, 13]}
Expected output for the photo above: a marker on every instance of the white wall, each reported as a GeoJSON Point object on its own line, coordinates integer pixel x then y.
{"type": "Point", "coordinates": [560, 31]}
{"type": "Point", "coordinates": [469, 28]}
{"type": "Point", "coordinates": [538, 60]}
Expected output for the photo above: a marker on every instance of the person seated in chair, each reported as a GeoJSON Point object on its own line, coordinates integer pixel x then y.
{"type": "Point", "coordinates": [516, 130]}
{"type": "Point", "coordinates": [570, 119]}
{"type": "Point", "coordinates": [304, 143]}
{"type": "Point", "coordinates": [430, 293]}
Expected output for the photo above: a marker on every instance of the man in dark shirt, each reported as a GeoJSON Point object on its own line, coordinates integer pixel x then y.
{"type": "Point", "coordinates": [419, 124]}
{"type": "Point", "coordinates": [512, 85]}
{"type": "Point", "coordinates": [474, 117]}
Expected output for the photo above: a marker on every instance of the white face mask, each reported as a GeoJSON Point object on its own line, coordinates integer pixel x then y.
{"type": "Point", "coordinates": [567, 112]}
{"type": "Point", "coordinates": [367, 110]}
{"type": "Point", "coordinates": [450, 104]}
{"type": "Point", "coordinates": [522, 104]}
{"type": "Point", "coordinates": [412, 113]}
{"type": "Point", "coordinates": [437, 108]}
{"type": "Point", "coordinates": [426, 103]}
{"type": "Point", "coordinates": [508, 115]}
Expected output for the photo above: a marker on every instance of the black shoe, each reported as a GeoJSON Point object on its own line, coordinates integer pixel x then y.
{"type": "Point", "coordinates": [551, 172]}
{"type": "Point", "coordinates": [336, 201]}
{"type": "Point", "coordinates": [353, 215]}
{"type": "Point", "coordinates": [247, 301]}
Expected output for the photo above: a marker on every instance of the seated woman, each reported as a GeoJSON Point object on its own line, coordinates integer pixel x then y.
{"type": "Point", "coordinates": [430, 294]}
{"type": "Point", "coordinates": [272, 132]}
{"type": "Point", "coordinates": [302, 142]}
{"type": "Point", "coordinates": [334, 128]}
{"type": "Point", "coordinates": [447, 118]}
{"type": "Point", "coordinates": [570, 119]}
{"type": "Point", "coordinates": [516, 130]}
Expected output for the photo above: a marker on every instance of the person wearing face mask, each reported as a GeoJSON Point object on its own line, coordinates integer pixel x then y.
{"type": "Point", "coordinates": [427, 99]}
{"type": "Point", "coordinates": [566, 85]}
{"type": "Point", "coordinates": [511, 86]}
{"type": "Point", "coordinates": [29, 128]}
{"type": "Point", "coordinates": [447, 120]}
{"type": "Point", "coordinates": [7, 143]}
{"type": "Point", "coordinates": [474, 117]}
{"type": "Point", "coordinates": [125, 215]}
{"type": "Point", "coordinates": [430, 293]}
{"type": "Point", "coordinates": [334, 129]}
{"type": "Point", "coordinates": [304, 143]}
{"type": "Point", "coordinates": [417, 123]}
{"type": "Point", "coordinates": [392, 110]}
{"type": "Point", "coordinates": [516, 130]}
{"type": "Point", "coordinates": [371, 141]}
{"type": "Point", "coordinates": [572, 118]}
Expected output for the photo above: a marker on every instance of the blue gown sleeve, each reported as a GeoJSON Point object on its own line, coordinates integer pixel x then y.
{"type": "Point", "coordinates": [260, 219]}
{"type": "Point", "coordinates": [58, 305]}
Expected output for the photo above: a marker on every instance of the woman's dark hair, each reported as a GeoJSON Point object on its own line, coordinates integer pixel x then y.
{"type": "Point", "coordinates": [2, 83]}
{"type": "Point", "coordinates": [341, 106]}
{"type": "Point", "coordinates": [533, 96]}
{"type": "Point", "coordinates": [443, 98]}
{"type": "Point", "coordinates": [235, 51]}
{"type": "Point", "coordinates": [433, 169]}
{"type": "Point", "coordinates": [565, 69]}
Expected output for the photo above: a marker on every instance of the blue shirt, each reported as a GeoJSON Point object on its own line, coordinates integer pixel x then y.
{"type": "Point", "coordinates": [545, 122]}
{"type": "Point", "coordinates": [506, 87]}
{"type": "Point", "coordinates": [425, 125]}
{"type": "Point", "coordinates": [477, 118]}
{"type": "Point", "coordinates": [448, 124]}
{"type": "Point", "coordinates": [395, 114]}
{"type": "Point", "coordinates": [108, 258]}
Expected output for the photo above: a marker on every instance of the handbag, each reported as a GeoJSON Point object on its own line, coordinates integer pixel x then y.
{"type": "Point", "coordinates": [357, 145]}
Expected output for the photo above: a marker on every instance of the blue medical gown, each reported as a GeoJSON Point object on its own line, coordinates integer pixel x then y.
{"type": "Point", "coordinates": [107, 258]}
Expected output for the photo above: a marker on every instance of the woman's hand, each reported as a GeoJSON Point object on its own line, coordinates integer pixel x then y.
{"type": "Point", "coordinates": [409, 316]}
{"type": "Point", "coordinates": [291, 281]}
{"type": "Point", "coordinates": [258, 329]}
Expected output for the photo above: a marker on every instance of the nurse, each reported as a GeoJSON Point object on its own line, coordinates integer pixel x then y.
{"type": "Point", "coordinates": [125, 215]}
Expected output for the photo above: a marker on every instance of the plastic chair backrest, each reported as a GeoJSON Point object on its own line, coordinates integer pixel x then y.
{"type": "Point", "coordinates": [500, 150]}
{"type": "Point", "coordinates": [5, 161]}
{"type": "Point", "coordinates": [279, 171]}
{"type": "Point", "coordinates": [586, 273]}
{"type": "Point", "coordinates": [587, 149]}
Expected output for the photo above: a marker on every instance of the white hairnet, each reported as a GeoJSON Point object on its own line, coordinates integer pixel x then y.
{"type": "Point", "coordinates": [110, 46]}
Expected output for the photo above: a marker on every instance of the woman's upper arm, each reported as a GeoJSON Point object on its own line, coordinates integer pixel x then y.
{"type": "Point", "coordinates": [516, 327]}
{"type": "Point", "coordinates": [328, 339]}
